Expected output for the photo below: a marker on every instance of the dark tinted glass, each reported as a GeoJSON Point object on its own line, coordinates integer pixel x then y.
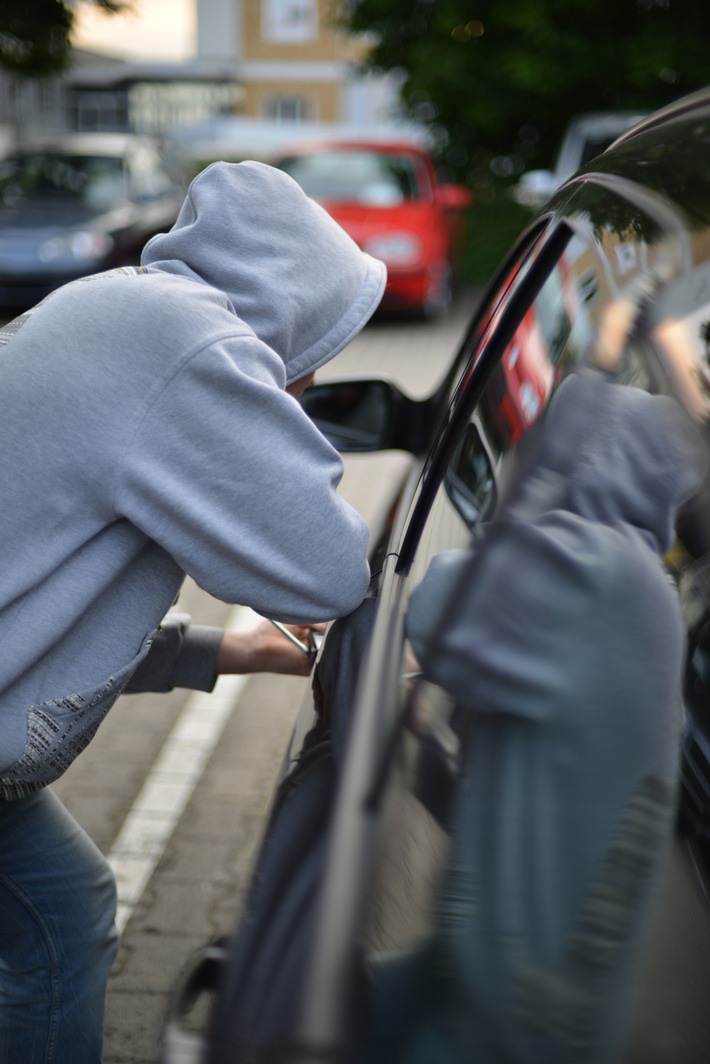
{"type": "Point", "coordinates": [91, 179]}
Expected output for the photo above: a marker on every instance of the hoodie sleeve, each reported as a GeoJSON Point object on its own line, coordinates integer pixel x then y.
{"type": "Point", "coordinates": [181, 654]}
{"type": "Point", "coordinates": [227, 473]}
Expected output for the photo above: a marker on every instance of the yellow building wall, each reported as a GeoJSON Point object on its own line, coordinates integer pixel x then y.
{"type": "Point", "coordinates": [330, 44]}
{"type": "Point", "coordinates": [321, 99]}
{"type": "Point", "coordinates": [320, 90]}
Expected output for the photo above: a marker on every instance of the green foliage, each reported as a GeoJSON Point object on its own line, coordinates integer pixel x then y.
{"type": "Point", "coordinates": [493, 228]}
{"type": "Point", "coordinates": [502, 78]}
{"type": "Point", "coordinates": [34, 34]}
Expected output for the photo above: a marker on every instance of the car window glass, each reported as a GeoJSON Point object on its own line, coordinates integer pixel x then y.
{"type": "Point", "coordinates": [367, 177]}
{"type": "Point", "coordinates": [548, 342]}
{"type": "Point", "coordinates": [470, 479]}
{"type": "Point", "coordinates": [682, 329]}
{"type": "Point", "coordinates": [93, 179]}
{"type": "Point", "coordinates": [594, 145]}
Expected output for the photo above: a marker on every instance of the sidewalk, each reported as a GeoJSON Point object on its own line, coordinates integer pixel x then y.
{"type": "Point", "coordinates": [196, 889]}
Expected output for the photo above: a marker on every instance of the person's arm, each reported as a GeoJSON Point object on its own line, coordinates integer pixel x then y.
{"type": "Point", "coordinates": [189, 655]}
{"type": "Point", "coordinates": [229, 475]}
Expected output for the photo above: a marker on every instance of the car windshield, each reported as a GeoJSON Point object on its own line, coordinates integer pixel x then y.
{"type": "Point", "coordinates": [370, 177]}
{"type": "Point", "coordinates": [595, 144]}
{"type": "Point", "coordinates": [96, 181]}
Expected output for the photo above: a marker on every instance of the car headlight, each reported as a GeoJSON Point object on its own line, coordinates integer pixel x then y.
{"type": "Point", "coordinates": [81, 246]}
{"type": "Point", "coordinates": [395, 249]}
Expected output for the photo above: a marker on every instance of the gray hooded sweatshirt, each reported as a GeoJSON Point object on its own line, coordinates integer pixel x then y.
{"type": "Point", "coordinates": [145, 434]}
{"type": "Point", "coordinates": [561, 632]}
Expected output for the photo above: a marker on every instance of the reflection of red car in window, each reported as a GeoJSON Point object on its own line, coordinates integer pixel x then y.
{"type": "Point", "coordinates": [528, 375]}
{"type": "Point", "coordinates": [388, 197]}
{"type": "Point", "coordinates": [528, 365]}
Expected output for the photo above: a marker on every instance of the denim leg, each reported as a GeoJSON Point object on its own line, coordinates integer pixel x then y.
{"type": "Point", "coordinates": [57, 935]}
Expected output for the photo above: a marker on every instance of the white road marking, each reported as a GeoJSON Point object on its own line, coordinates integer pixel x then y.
{"type": "Point", "coordinates": [171, 781]}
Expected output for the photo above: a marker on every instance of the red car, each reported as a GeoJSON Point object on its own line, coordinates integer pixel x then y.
{"type": "Point", "coordinates": [388, 197]}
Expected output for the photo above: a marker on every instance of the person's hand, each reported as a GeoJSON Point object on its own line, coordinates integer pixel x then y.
{"type": "Point", "coordinates": [265, 649]}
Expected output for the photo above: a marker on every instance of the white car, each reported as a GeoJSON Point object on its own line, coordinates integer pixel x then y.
{"type": "Point", "coordinates": [587, 136]}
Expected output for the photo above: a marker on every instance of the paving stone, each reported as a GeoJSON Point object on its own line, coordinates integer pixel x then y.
{"type": "Point", "coordinates": [154, 960]}
{"type": "Point", "coordinates": [134, 1021]}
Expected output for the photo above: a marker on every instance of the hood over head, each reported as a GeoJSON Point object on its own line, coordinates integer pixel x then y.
{"type": "Point", "coordinates": [290, 271]}
{"type": "Point", "coordinates": [613, 454]}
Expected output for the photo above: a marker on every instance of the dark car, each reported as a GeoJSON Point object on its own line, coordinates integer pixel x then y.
{"type": "Point", "coordinates": [613, 278]}
{"type": "Point", "coordinates": [389, 198]}
{"type": "Point", "coordinates": [80, 204]}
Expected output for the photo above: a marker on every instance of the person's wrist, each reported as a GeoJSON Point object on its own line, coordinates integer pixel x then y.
{"type": "Point", "coordinates": [236, 653]}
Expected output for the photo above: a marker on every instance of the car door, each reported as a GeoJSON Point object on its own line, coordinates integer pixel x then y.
{"type": "Point", "coordinates": [389, 836]}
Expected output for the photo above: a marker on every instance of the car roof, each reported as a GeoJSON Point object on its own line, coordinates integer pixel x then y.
{"type": "Point", "coordinates": [690, 106]}
{"type": "Point", "coordinates": [84, 143]}
{"type": "Point", "coordinates": [394, 147]}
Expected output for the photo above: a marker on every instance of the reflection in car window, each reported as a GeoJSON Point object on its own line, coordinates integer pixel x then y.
{"type": "Point", "coordinates": [380, 180]}
{"type": "Point", "coordinates": [524, 379]}
{"type": "Point", "coordinates": [148, 178]}
{"type": "Point", "coordinates": [682, 313]}
{"type": "Point", "coordinates": [470, 480]}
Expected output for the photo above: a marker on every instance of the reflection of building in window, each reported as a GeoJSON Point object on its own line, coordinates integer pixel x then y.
{"type": "Point", "coordinates": [289, 21]}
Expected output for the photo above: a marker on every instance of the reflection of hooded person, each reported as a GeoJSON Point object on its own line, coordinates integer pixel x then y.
{"type": "Point", "coordinates": [564, 636]}
{"type": "Point", "coordinates": [145, 433]}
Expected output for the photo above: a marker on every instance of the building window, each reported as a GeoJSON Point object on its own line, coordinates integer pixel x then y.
{"type": "Point", "coordinates": [287, 109]}
{"type": "Point", "coordinates": [289, 21]}
{"type": "Point", "coordinates": [97, 110]}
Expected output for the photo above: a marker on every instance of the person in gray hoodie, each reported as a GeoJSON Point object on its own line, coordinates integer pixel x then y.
{"type": "Point", "coordinates": [559, 633]}
{"type": "Point", "coordinates": [149, 429]}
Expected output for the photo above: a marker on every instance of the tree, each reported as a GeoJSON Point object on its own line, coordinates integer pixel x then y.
{"type": "Point", "coordinates": [34, 34]}
{"type": "Point", "coordinates": [502, 78]}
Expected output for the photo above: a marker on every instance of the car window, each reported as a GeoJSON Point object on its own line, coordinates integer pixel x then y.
{"type": "Point", "coordinates": [95, 180]}
{"type": "Point", "coordinates": [550, 339]}
{"type": "Point", "coordinates": [367, 177]}
{"type": "Point", "coordinates": [595, 144]}
{"type": "Point", "coordinates": [470, 478]}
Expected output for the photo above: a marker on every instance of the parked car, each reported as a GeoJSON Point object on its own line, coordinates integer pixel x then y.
{"type": "Point", "coordinates": [388, 197]}
{"type": "Point", "coordinates": [79, 204]}
{"type": "Point", "coordinates": [586, 137]}
{"type": "Point", "coordinates": [614, 277]}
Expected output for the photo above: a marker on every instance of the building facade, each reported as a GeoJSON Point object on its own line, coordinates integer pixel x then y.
{"type": "Point", "coordinates": [295, 63]}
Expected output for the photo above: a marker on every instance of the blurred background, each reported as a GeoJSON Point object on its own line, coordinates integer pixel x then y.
{"type": "Point", "coordinates": [489, 89]}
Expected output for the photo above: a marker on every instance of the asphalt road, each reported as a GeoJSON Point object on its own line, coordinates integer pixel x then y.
{"type": "Point", "coordinates": [175, 787]}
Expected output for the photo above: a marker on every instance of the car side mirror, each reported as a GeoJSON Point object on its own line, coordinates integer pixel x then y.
{"type": "Point", "coordinates": [366, 415]}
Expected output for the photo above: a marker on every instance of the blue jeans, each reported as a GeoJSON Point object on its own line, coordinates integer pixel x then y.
{"type": "Point", "coordinates": [57, 935]}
